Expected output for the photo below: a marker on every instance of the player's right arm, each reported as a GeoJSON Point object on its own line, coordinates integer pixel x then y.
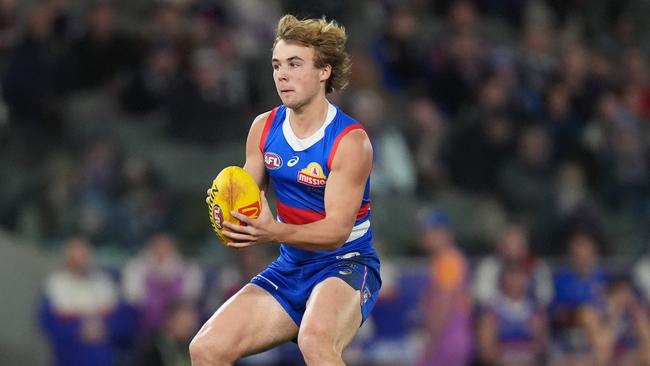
{"type": "Point", "coordinates": [254, 158]}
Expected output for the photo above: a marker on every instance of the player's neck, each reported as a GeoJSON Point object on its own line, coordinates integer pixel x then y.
{"type": "Point", "coordinates": [309, 118]}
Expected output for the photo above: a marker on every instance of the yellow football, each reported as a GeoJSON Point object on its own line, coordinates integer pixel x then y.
{"type": "Point", "coordinates": [234, 189]}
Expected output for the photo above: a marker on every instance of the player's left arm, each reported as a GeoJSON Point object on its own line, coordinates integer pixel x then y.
{"type": "Point", "coordinates": [344, 190]}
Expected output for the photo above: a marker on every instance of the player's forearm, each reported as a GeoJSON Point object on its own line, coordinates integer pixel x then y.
{"type": "Point", "coordinates": [325, 234]}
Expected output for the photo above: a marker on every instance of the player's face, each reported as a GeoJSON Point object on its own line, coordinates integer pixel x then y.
{"type": "Point", "coordinates": [296, 78]}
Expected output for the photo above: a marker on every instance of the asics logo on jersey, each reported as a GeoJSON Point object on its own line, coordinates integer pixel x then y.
{"type": "Point", "coordinates": [272, 160]}
{"type": "Point", "coordinates": [293, 161]}
{"type": "Point", "coordinates": [312, 175]}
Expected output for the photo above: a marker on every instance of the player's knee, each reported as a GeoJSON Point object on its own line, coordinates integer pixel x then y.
{"type": "Point", "coordinates": [211, 351]}
{"type": "Point", "coordinates": [317, 347]}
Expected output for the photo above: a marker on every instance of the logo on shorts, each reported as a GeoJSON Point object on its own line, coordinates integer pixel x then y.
{"type": "Point", "coordinates": [272, 160]}
{"type": "Point", "coordinates": [217, 217]}
{"type": "Point", "coordinates": [312, 175]}
{"type": "Point", "coordinates": [346, 268]}
{"type": "Point", "coordinates": [366, 294]}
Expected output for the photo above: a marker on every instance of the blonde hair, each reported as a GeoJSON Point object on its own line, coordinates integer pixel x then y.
{"type": "Point", "coordinates": [327, 39]}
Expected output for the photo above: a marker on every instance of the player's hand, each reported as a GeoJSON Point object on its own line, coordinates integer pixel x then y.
{"type": "Point", "coordinates": [254, 231]}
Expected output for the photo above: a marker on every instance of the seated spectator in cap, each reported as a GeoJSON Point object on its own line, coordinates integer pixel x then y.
{"type": "Point", "coordinates": [446, 304]}
{"type": "Point", "coordinates": [80, 312]}
{"type": "Point", "coordinates": [512, 249]}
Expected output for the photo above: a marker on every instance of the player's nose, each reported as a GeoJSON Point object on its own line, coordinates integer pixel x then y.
{"type": "Point", "coordinates": [282, 74]}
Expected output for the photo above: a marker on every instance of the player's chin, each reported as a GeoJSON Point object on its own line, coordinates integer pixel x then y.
{"type": "Point", "coordinates": [290, 101]}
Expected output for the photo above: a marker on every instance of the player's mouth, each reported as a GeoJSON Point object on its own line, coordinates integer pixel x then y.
{"type": "Point", "coordinates": [286, 91]}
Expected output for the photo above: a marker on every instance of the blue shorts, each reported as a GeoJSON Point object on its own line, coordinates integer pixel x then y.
{"type": "Point", "coordinates": [291, 284]}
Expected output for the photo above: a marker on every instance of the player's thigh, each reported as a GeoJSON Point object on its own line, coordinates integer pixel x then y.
{"type": "Point", "coordinates": [249, 322]}
{"type": "Point", "coordinates": [333, 313]}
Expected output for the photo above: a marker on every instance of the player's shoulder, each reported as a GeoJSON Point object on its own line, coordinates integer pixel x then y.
{"type": "Point", "coordinates": [348, 125]}
{"type": "Point", "coordinates": [261, 118]}
{"type": "Point", "coordinates": [260, 121]}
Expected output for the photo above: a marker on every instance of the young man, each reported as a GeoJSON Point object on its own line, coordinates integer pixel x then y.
{"type": "Point", "coordinates": [326, 279]}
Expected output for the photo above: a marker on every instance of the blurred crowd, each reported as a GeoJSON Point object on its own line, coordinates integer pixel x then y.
{"type": "Point", "coordinates": [525, 122]}
{"type": "Point", "coordinates": [510, 308]}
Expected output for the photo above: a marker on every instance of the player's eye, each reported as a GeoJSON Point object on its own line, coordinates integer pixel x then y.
{"type": "Point", "coordinates": [276, 66]}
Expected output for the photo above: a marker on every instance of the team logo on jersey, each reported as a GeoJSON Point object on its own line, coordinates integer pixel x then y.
{"type": "Point", "coordinates": [217, 215]}
{"type": "Point", "coordinates": [252, 210]}
{"type": "Point", "coordinates": [312, 175]}
{"type": "Point", "coordinates": [272, 160]}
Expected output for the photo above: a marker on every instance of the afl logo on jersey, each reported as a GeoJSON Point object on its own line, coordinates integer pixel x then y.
{"type": "Point", "coordinates": [272, 161]}
{"type": "Point", "coordinates": [312, 175]}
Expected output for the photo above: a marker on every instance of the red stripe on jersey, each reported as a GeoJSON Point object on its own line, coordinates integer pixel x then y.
{"type": "Point", "coordinates": [335, 146]}
{"type": "Point", "coordinates": [267, 128]}
{"type": "Point", "coordinates": [363, 211]}
{"type": "Point", "coordinates": [298, 216]}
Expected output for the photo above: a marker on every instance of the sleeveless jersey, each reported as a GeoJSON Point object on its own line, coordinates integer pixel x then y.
{"type": "Point", "coordinates": [298, 171]}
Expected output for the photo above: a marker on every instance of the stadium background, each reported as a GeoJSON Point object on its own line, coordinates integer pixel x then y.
{"type": "Point", "coordinates": [116, 116]}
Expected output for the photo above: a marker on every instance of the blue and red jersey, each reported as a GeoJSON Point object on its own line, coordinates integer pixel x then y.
{"type": "Point", "coordinates": [298, 171]}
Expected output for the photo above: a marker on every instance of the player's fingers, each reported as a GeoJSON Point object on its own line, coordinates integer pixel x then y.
{"type": "Point", "coordinates": [240, 245]}
{"type": "Point", "coordinates": [237, 236]}
{"type": "Point", "coordinates": [265, 203]}
{"type": "Point", "coordinates": [209, 194]}
{"type": "Point", "coordinates": [241, 217]}
{"type": "Point", "coordinates": [238, 228]}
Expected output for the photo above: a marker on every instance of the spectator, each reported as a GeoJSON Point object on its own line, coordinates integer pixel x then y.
{"type": "Point", "coordinates": [426, 134]}
{"type": "Point", "coordinates": [392, 171]}
{"type": "Point", "coordinates": [512, 329]}
{"type": "Point", "coordinates": [206, 94]}
{"type": "Point", "coordinates": [152, 83]}
{"type": "Point", "coordinates": [581, 283]}
{"type": "Point", "coordinates": [397, 51]}
{"type": "Point", "coordinates": [157, 278]}
{"type": "Point", "coordinates": [525, 182]}
{"type": "Point", "coordinates": [615, 137]}
{"type": "Point", "coordinates": [390, 339]}
{"type": "Point", "coordinates": [512, 249]}
{"type": "Point", "coordinates": [8, 25]}
{"type": "Point", "coordinates": [145, 203]}
{"type": "Point", "coordinates": [80, 312]}
{"type": "Point", "coordinates": [619, 332]}
{"type": "Point", "coordinates": [459, 61]}
{"type": "Point", "coordinates": [483, 138]}
{"type": "Point", "coordinates": [641, 276]}
{"type": "Point", "coordinates": [30, 82]}
{"type": "Point", "coordinates": [446, 303]}
{"type": "Point", "coordinates": [102, 55]}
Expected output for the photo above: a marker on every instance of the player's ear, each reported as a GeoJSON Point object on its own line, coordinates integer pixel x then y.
{"type": "Point", "coordinates": [325, 72]}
